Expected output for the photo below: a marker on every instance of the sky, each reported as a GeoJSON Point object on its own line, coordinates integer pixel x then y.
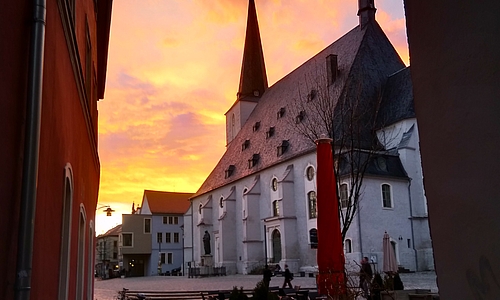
{"type": "Point", "coordinates": [173, 71]}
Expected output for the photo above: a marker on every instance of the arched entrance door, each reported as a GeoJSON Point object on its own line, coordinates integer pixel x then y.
{"type": "Point", "coordinates": [276, 242]}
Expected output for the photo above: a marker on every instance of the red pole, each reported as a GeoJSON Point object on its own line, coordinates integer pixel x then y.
{"type": "Point", "coordinates": [330, 254]}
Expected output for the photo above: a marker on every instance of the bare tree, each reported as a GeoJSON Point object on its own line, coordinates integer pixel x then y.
{"type": "Point", "coordinates": [349, 118]}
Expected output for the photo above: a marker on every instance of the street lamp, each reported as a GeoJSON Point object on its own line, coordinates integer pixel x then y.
{"type": "Point", "coordinates": [108, 210]}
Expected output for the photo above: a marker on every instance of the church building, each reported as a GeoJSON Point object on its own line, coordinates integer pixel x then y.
{"type": "Point", "coordinates": [258, 204]}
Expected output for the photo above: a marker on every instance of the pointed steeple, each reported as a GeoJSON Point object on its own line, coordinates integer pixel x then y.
{"type": "Point", "coordinates": [253, 78]}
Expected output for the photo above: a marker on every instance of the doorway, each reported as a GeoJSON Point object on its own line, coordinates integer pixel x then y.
{"type": "Point", "coordinates": [276, 243]}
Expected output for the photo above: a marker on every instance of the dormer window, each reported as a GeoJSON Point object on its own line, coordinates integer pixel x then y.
{"type": "Point", "coordinates": [229, 171]}
{"type": "Point", "coordinates": [256, 126]}
{"type": "Point", "coordinates": [270, 132]}
{"type": "Point", "coordinates": [300, 117]}
{"type": "Point", "coordinates": [283, 147]}
{"type": "Point", "coordinates": [312, 95]}
{"type": "Point", "coordinates": [245, 145]}
{"type": "Point", "coordinates": [281, 112]}
{"type": "Point", "coordinates": [253, 161]}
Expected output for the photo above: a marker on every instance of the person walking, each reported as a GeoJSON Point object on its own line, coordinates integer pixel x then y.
{"type": "Point", "coordinates": [288, 278]}
{"type": "Point", "coordinates": [365, 276]}
{"type": "Point", "coordinates": [267, 276]}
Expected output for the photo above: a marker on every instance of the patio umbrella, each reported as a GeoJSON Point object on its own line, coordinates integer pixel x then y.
{"type": "Point", "coordinates": [390, 263]}
{"type": "Point", "coordinates": [330, 255]}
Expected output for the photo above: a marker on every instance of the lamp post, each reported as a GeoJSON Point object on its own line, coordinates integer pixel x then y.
{"type": "Point", "coordinates": [104, 247]}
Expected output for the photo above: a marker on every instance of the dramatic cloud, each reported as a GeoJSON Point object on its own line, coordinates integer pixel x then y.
{"type": "Point", "coordinates": [173, 71]}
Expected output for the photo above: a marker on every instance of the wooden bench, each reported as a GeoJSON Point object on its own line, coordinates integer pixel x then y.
{"type": "Point", "coordinates": [181, 295]}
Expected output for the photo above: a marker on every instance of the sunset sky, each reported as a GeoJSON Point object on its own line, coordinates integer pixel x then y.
{"type": "Point", "coordinates": [173, 71]}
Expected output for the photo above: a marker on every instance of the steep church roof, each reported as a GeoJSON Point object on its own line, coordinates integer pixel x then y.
{"type": "Point", "coordinates": [364, 59]}
{"type": "Point", "coordinates": [397, 99]}
{"type": "Point", "coordinates": [253, 78]}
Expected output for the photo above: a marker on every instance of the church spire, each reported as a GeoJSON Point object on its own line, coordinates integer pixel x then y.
{"type": "Point", "coordinates": [253, 78]}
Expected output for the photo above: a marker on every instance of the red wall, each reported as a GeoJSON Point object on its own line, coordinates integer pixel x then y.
{"type": "Point", "coordinates": [67, 136]}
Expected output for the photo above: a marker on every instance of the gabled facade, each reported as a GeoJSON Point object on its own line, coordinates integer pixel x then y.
{"type": "Point", "coordinates": [259, 202]}
{"type": "Point", "coordinates": [152, 238]}
{"type": "Point", "coordinates": [107, 255]}
{"type": "Point", "coordinates": [53, 57]}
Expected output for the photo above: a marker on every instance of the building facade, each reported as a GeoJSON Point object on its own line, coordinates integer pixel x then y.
{"type": "Point", "coordinates": [152, 237]}
{"type": "Point", "coordinates": [53, 57]}
{"type": "Point", "coordinates": [259, 202]}
{"type": "Point", "coordinates": [107, 257]}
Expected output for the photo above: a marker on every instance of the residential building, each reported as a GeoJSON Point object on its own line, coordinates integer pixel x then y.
{"type": "Point", "coordinates": [107, 258]}
{"type": "Point", "coordinates": [259, 202]}
{"type": "Point", "coordinates": [152, 237]}
{"type": "Point", "coordinates": [53, 57]}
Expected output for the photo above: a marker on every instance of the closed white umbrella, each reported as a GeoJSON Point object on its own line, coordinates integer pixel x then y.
{"type": "Point", "coordinates": [390, 263]}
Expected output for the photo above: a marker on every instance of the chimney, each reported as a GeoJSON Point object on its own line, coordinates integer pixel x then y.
{"type": "Point", "coordinates": [331, 68]}
{"type": "Point", "coordinates": [366, 12]}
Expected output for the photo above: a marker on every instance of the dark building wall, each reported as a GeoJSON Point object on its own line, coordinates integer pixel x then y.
{"type": "Point", "coordinates": [68, 135]}
{"type": "Point", "coordinates": [14, 24]}
{"type": "Point", "coordinates": [455, 67]}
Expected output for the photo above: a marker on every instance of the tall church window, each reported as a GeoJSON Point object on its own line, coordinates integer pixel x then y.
{"type": "Point", "coordinates": [313, 238]}
{"type": "Point", "coordinates": [347, 246]}
{"type": "Point", "coordinates": [344, 199]}
{"type": "Point", "coordinates": [386, 196]}
{"type": "Point", "coordinates": [276, 208]}
{"type": "Point", "coordinates": [311, 199]}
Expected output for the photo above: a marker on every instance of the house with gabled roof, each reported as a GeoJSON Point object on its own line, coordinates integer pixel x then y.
{"type": "Point", "coordinates": [152, 237]}
{"type": "Point", "coordinates": [259, 202]}
{"type": "Point", "coordinates": [107, 258]}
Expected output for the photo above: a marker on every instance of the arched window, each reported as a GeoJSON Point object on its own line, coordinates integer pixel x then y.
{"type": "Point", "coordinates": [80, 267]}
{"type": "Point", "coordinates": [66, 233]}
{"type": "Point", "coordinates": [313, 238]}
{"type": "Point", "coordinates": [274, 184]}
{"type": "Point", "coordinates": [347, 246]}
{"type": "Point", "coordinates": [386, 196]}
{"type": "Point", "coordinates": [90, 264]}
{"type": "Point", "coordinates": [344, 196]}
{"type": "Point", "coordinates": [310, 173]}
{"type": "Point", "coordinates": [311, 200]}
{"type": "Point", "coordinates": [199, 208]}
{"type": "Point", "coordinates": [221, 202]}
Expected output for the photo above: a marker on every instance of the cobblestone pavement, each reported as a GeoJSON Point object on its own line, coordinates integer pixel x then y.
{"type": "Point", "coordinates": [107, 289]}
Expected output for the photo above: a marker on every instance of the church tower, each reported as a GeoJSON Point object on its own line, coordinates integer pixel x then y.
{"type": "Point", "coordinates": [253, 78]}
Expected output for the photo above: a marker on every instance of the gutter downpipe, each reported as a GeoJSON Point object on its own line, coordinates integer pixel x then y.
{"type": "Point", "coordinates": [411, 225]}
{"type": "Point", "coordinates": [31, 153]}
{"type": "Point", "coordinates": [359, 233]}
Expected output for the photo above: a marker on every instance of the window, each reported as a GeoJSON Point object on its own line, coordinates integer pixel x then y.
{"type": "Point", "coordinates": [245, 145]}
{"type": "Point", "coordinates": [199, 208]}
{"type": "Point", "coordinates": [300, 117]}
{"type": "Point", "coordinates": [270, 132]}
{"type": "Point", "coordinates": [167, 237]}
{"type": "Point", "coordinates": [127, 239]}
{"type": "Point", "coordinates": [253, 161]}
{"type": "Point", "coordinates": [256, 126]}
{"type": "Point", "coordinates": [274, 184]}
{"type": "Point", "coordinates": [313, 238]}
{"type": "Point", "coordinates": [147, 225]}
{"type": "Point", "coordinates": [115, 255]}
{"type": "Point", "coordinates": [344, 199]}
{"type": "Point", "coordinates": [386, 196]}
{"type": "Point", "coordinates": [159, 237]}
{"type": "Point", "coordinates": [165, 220]}
{"type": "Point", "coordinates": [169, 258]}
{"type": "Point", "coordinates": [176, 237]}
{"type": "Point", "coordinates": [347, 246]}
{"type": "Point", "coordinates": [310, 173]}
{"type": "Point", "coordinates": [311, 199]}
{"type": "Point", "coordinates": [276, 208]}
{"type": "Point", "coordinates": [408, 241]}
{"type": "Point", "coordinates": [80, 267]}
{"type": "Point", "coordinates": [88, 64]}
{"type": "Point", "coordinates": [281, 113]}
{"type": "Point", "coordinates": [221, 202]}
{"type": "Point", "coordinates": [115, 244]}
{"type": "Point", "coordinates": [312, 95]}
{"type": "Point", "coordinates": [162, 258]}
{"type": "Point", "coordinates": [283, 148]}
{"type": "Point", "coordinates": [176, 220]}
